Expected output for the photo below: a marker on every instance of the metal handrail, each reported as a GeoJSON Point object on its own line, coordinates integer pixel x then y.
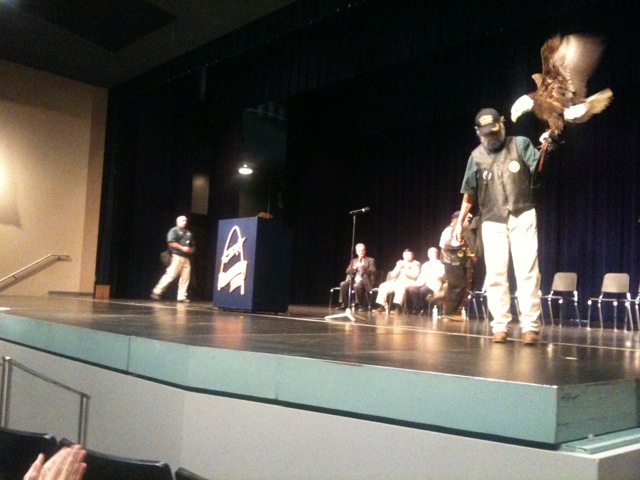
{"type": "Point", "coordinates": [15, 275]}
{"type": "Point", "coordinates": [5, 396]}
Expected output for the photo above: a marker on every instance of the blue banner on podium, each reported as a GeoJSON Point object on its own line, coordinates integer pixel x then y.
{"type": "Point", "coordinates": [253, 265]}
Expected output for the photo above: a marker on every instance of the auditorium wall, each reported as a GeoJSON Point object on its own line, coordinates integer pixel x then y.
{"type": "Point", "coordinates": [51, 153]}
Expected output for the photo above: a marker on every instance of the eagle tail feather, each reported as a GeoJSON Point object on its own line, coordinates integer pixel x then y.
{"type": "Point", "coordinates": [596, 103]}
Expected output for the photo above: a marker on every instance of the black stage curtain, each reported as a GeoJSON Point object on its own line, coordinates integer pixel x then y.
{"type": "Point", "coordinates": [381, 98]}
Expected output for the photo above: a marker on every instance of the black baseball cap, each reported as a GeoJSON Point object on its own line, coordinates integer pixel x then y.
{"type": "Point", "coordinates": [487, 121]}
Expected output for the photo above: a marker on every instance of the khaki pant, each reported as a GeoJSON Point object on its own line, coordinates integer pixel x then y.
{"type": "Point", "coordinates": [397, 287]}
{"type": "Point", "coordinates": [518, 237]}
{"type": "Point", "coordinates": [178, 266]}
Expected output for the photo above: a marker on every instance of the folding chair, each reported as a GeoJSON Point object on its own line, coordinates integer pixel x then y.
{"type": "Point", "coordinates": [374, 290]}
{"type": "Point", "coordinates": [375, 283]}
{"type": "Point", "coordinates": [615, 288]}
{"type": "Point", "coordinates": [473, 298]}
{"type": "Point", "coordinates": [637, 302]}
{"type": "Point", "coordinates": [331, 292]}
{"type": "Point", "coordinates": [564, 287]}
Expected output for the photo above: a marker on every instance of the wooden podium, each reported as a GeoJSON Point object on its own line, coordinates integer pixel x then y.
{"type": "Point", "coordinates": [253, 265]}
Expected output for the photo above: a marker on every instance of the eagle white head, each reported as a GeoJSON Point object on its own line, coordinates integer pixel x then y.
{"type": "Point", "coordinates": [521, 106]}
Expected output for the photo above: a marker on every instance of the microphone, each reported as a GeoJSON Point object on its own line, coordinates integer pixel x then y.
{"type": "Point", "coordinates": [360, 210]}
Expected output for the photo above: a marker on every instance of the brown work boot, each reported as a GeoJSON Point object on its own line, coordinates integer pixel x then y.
{"type": "Point", "coordinates": [531, 338]}
{"type": "Point", "coordinates": [499, 337]}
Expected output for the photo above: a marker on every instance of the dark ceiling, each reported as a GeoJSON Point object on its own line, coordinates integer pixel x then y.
{"type": "Point", "coordinates": [108, 42]}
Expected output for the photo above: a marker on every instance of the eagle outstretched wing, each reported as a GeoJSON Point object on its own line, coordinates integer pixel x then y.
{"type": "Point", "coordinates": [567, 64]}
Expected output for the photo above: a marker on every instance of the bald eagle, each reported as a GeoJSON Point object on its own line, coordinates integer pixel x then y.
{"type": "Point", "coordinates": [567, 63]}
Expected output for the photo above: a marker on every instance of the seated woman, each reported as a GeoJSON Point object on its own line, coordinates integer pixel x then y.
{"type": "Point", "coordinates": [402, 276]}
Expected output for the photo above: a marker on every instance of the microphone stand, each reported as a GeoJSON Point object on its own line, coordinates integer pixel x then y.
{"type": "Point", "coordinates": [347, 313]}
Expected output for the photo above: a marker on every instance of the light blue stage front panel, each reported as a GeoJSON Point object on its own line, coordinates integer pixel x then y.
{"type": "Point", "coordinates": [527, 412]}
{"type": "Point", "coordinates": [217, 370]}
{"type": "Point", "coordinates": [596, 408]}
{"type": "Point", "coordinates": [102, 348]}
{"type": "Point", "coordinates": [482, 406]}
{"type": "Point", "coordinates": [446, 401]}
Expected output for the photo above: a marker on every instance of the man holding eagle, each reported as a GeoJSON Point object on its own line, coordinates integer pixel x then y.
{"type": "Point", "coordinates": [499, 173]}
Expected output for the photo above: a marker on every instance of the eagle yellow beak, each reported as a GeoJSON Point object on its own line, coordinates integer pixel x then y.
{"type": "Point", "coordinates": [523, 105]}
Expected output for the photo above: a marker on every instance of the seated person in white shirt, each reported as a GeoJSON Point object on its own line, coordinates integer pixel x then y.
{"type": "Point", "coordinates": [429, 282]}
{"type": "Point", "coordinates": [403, 275]}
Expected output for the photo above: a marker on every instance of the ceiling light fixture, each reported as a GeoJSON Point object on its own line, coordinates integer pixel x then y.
{"type": "Point", "coordinates": [245, 170]}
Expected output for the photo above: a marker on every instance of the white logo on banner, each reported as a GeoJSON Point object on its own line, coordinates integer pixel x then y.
{"type": "Point", "coordinates": [235, 275]}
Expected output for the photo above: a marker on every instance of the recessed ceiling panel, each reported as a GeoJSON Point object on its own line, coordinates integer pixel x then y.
{"type": "Point", "coordinates": [112, 24]}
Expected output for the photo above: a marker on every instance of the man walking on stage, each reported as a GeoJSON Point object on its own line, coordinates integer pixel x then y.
{"type": "Point", "coordinates": [181, 246]}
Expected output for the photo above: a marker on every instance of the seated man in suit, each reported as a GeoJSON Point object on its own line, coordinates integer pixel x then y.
{"type": "Point", "coordinates": [360, 271]}
{"type": "Point", "coordinates": [403, 275]}
{"type": "Point", "coordinates": [429, 282]}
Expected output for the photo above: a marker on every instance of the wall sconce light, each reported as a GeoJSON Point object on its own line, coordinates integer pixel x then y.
{"type": "Point", "coordinates": [245, 170]}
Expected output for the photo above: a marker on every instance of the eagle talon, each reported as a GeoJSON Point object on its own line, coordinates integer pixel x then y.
{"type": "Point", "coordinates": [545, 138]}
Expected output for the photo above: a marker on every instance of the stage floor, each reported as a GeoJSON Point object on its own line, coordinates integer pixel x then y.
{"type": "Point", "coordinates": [567, 354]}
{"type": "Point", "coordinates": [570, 360]}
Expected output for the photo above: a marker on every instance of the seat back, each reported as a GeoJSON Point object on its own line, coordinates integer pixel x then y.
{"type": "Point", "coordinates": [101, 466]}
{"type": "Point", "coordinates": [565, 282]}
{"type": "Point", "coordinates": [108, 467]}
{"type": "Point", "coordinates": [184, 474]}
{"type": "Point", "coordinates": [18, 450]}
{"type": "Point", "coordinates": [615, 283]}
{"type": "Point", "coordinates": [376, 279]}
